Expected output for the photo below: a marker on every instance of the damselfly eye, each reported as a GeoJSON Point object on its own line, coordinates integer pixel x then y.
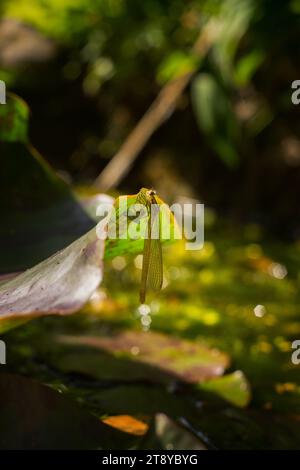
{"type": "Point", "coordinates": [152, 192]}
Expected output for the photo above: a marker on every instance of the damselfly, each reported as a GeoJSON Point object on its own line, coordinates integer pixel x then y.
{"type": "Point", "coordinates": [152, 268]}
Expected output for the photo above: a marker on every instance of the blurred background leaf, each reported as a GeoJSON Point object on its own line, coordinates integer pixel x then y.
{"type": "Point", "coordinates": [215, 117]}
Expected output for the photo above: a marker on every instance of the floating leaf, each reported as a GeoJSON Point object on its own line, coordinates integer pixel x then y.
{"type": "Point", "coordinates": [128, 424]}
{"type": "Point", "coordinates": [232, 387]}
{"type": "Point", "coordinates": [171, 357]}
{"type": "Point", "coordinates": [35, 417]}
{"type": "Point", "coordinates": [215, 424]}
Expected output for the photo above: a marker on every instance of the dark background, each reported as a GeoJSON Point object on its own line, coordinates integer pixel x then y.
{"type": "Point", "coordinates": [90, 71]}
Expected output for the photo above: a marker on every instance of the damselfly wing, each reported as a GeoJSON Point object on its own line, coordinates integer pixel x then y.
{"type": "Point", "coordinates": [152, 268]}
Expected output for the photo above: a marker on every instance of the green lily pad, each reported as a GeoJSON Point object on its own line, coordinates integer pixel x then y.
{"type": "Point", "coordinates": [232, 387]}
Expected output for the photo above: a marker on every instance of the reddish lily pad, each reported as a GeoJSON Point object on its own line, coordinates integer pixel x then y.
{"type": "Point", "coordinates": [184, 360]}
{"type": "Point", "coordinates": [59, 285]}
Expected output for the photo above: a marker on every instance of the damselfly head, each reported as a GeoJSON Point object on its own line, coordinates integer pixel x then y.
{"type": "Point", "coordinates": [146, 196]}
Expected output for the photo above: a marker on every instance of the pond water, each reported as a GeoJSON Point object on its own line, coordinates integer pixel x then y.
{"type": "Point", "coordinates": [206, 363]}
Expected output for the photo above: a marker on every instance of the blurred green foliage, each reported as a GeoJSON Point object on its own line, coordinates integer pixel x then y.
{"type": "Point", "coordinates": [112, 58]}
{"type": "Point", "coordinates": [110, 40]}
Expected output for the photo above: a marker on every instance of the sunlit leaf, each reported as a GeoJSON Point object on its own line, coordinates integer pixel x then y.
{"type": "Point", "coordinates": [232, 387]}
{"type": "Point", "coordinates": [124, 243]}
{"type": "Point", "coordinates": [127, 423]}
{"type": "Point", "coordinates": [59, 285]}
{"type": "Point", "coordinates": [173, 358]}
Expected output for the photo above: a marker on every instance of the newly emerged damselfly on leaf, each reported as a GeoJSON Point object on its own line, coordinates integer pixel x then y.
{"type": "Point", "coordinates": [152, 268]}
